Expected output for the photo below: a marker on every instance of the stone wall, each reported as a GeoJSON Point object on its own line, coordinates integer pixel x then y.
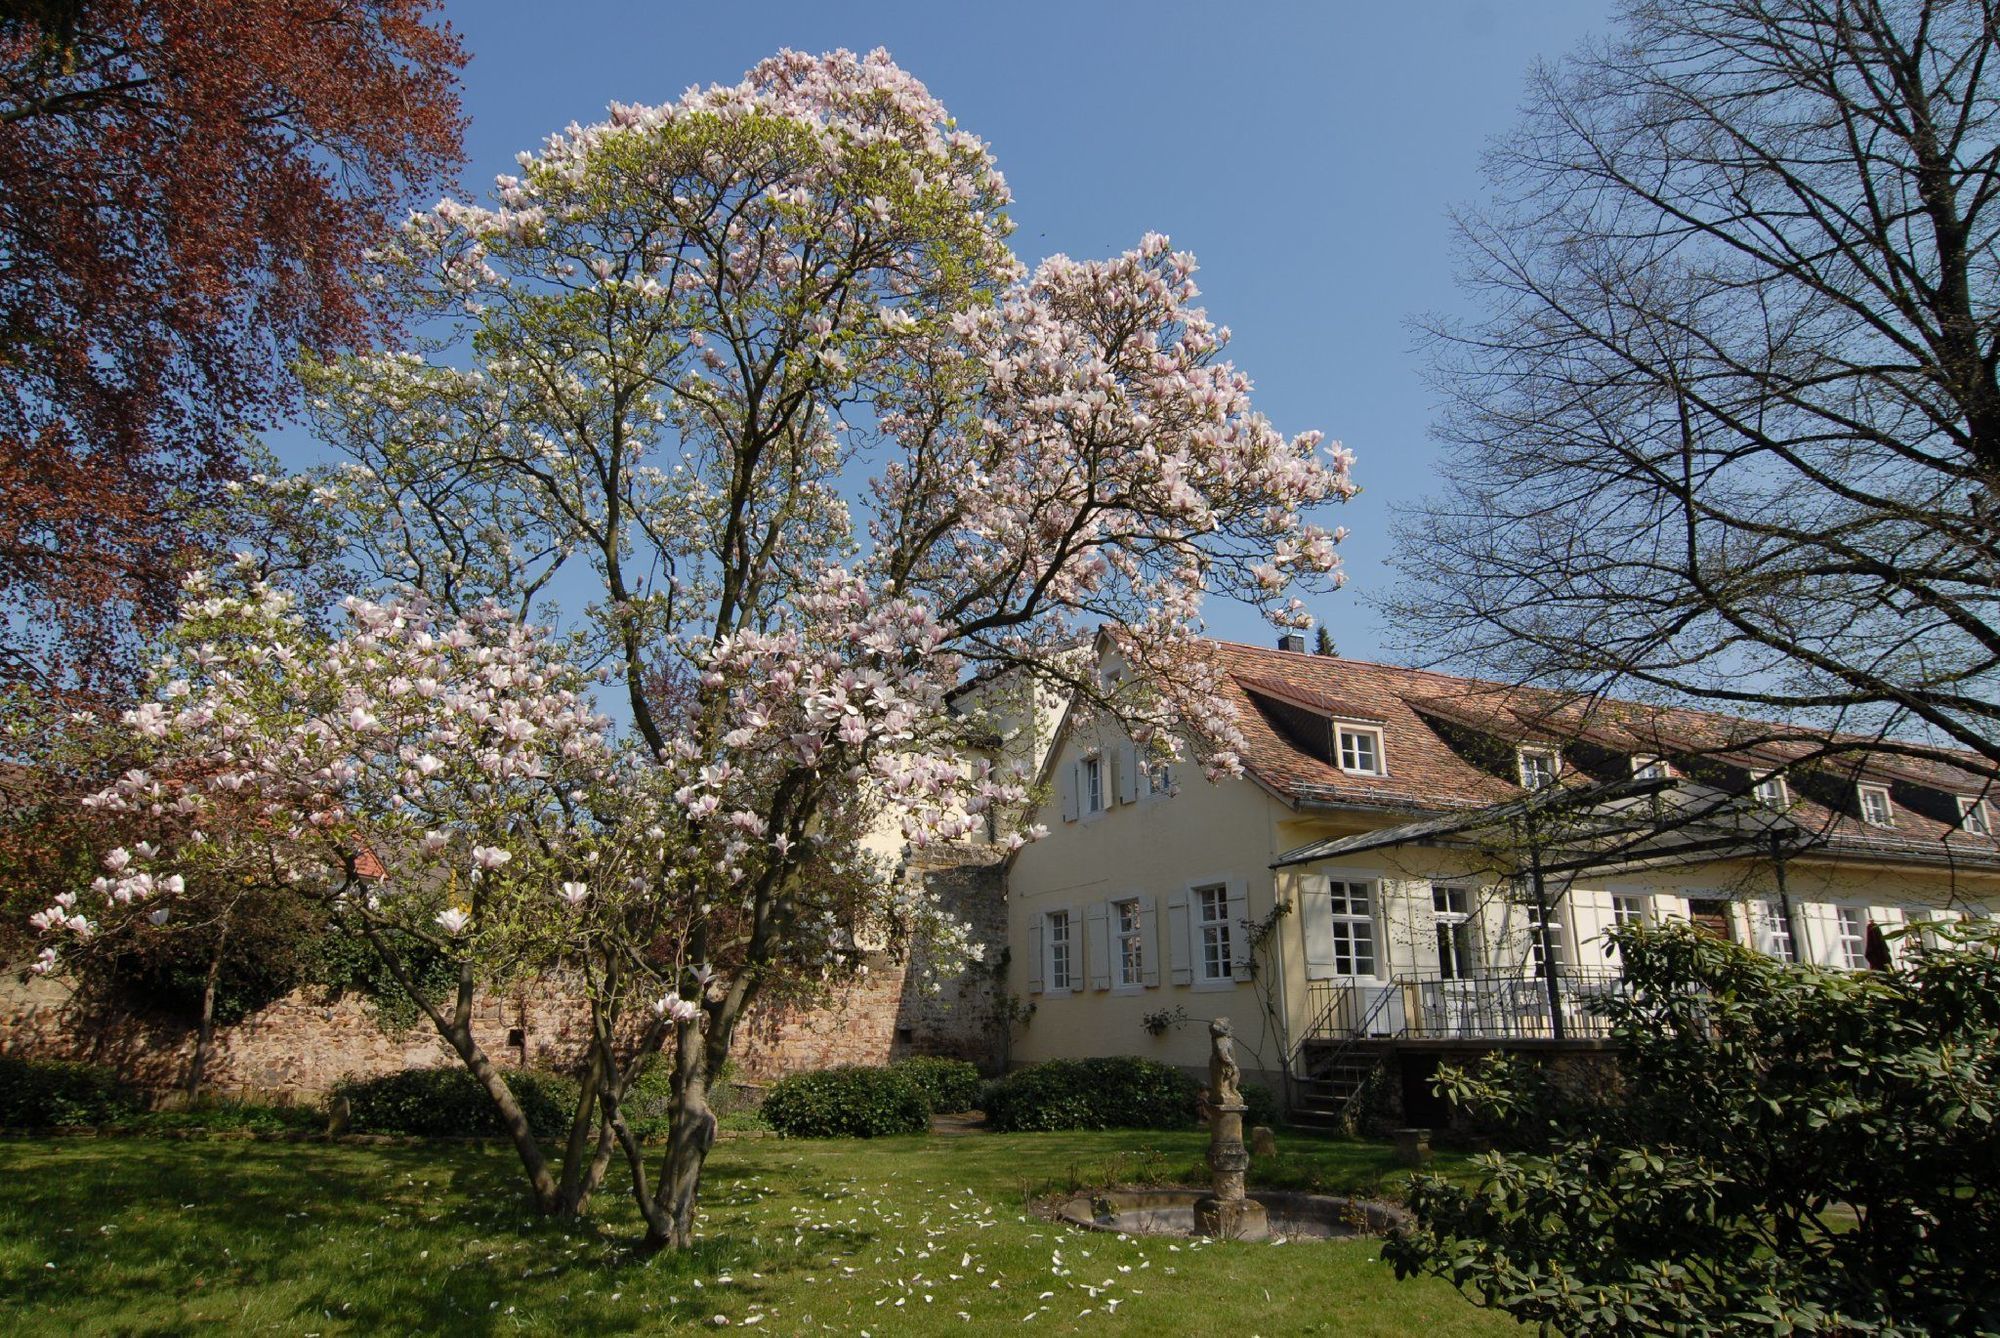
{"type": "Point", "coordinates": [297, 1048]}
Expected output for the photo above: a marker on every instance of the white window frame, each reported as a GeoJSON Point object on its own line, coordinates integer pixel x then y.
{"type": "Point", "coordinates": [1451, 907]}
{"type": "Point", "coordinates": [1356, 949]}
{"type": "Point", "coordinates": [1128, 944]}
{"type": "Point", "coordinates": [1973, 815]}
{"type": "Point", "coordinates": [1159, 780]}
{"type": "Point", "coordinates": [1532, 913]}
{"type": "Point", "coordinates": [1864, 792]}
{"type": "Point", "coordinates": [1772, 792]}
{"type": "Point", "coordinates": [1780, 942]}
{"type": "Point", "coordinates": [1552, 755]}
{"type": "Point", "coordinates": [1342, 732]}
{"type": "Point", "coordinates": [1066, 982]}
{"type": "Point", "coordinates": [1214, 937]}
{"type": "Point", "coordinates": [1647, 766]}
{"type": "Point", "coordinates": [1630, 908]}
{"type": "Point", "coordinates": [1090, 785]}
{"type": "Point", "coordinates": [1853, 946]}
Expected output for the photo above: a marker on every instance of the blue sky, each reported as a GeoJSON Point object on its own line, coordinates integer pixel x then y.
{"type": "Point", "coordinates": [1306, 152]}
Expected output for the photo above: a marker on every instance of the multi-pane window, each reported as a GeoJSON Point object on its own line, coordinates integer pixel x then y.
{"type": "Point", "coordinates": [1545, 950]}
{"type": "Point", "coordinates": [1649, 768]}
{"type": "Point", "coordinates": [1771, 793]}
{"type": "Point", "coordinates": [1212, 930]}
{"type": "Point", "coordinates": [1973, 817]}
{"type": "Point", "coordinates": [1875, 809]}
{"type": "Point", "coordinates": [1453, 908]}
{"type": "Point", "coordinates": [1628, 908]}
{"type": "Point", "coordinates": [1159, 778]}
{"type": "Point", "coordinates": [1853, 937]}
{"type": "Point", "coordinates": [1093, 785]}
{"type": "Point", "coordinates": [1055, 933]}
{"type": "Point", "coordinates": [1131, 948]}
{"type": "Point", "coordinates": [1778, 941]}
{"type": "Point", "coordinates": [1361, 750]}
{"type": "Point", "coordinates": [1353, 928]}
{"type": "Point", "coordinates": [1538, 768]}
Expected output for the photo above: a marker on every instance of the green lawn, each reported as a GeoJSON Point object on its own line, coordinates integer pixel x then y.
{"type": "Point", "coordinates": [894, 1236]}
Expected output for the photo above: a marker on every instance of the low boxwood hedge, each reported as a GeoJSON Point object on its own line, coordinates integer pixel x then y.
{"type": "Point", "coordinates": [849, 1102]}
{"type": "Point", "coordinates": [446, 1102]}
{"type": "Point", "coordinates": [947, 1084]}
{"type": "Point", "coordinates": [46, 1093]}
{"type": "Point", "coordinates": [1123, 1092]}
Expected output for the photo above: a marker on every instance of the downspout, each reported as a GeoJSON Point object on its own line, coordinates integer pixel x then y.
{"type": "Point", "coordinates": [1549, 968]}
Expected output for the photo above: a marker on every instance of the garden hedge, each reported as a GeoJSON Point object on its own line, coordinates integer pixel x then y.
{"type": "Point", "coordinates": [45, 1093]}
{"type": "Point", "coordinates": [1124, 1092]}
{"type": "Point", "coordinates": [446, 1102]}
{"type": "Point", "coordinates": [850, 1102]}
{"type": "Point", "coordinates": [947, 1084]}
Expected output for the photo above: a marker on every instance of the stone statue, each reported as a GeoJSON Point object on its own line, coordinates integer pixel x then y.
{"type": "Point", "coordinates": [1225, 1076]}
{"type": "Point", "coordinates": [1226, 1212]}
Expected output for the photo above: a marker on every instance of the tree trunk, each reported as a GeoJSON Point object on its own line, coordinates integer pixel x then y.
{"type": "Point", "coordinates": [204, 1032]}
{"type": "Point", "coordinates": [457, 1033]}
{"type": "Point", "coordinates": [541, 1183]}
{"type": "Point", "coordinates": [670, 1224]}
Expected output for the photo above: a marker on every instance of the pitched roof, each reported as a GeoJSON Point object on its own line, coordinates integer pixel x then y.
{"type": "Point", "coordinates": [1431, 724]}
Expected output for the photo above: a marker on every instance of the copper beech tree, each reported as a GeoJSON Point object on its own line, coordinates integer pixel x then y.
{"type": "Point", "coordinates": [758, 372]}
{"type": "Point", "coordinates": [188, 193]}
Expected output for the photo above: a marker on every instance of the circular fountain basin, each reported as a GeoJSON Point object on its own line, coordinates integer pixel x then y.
{"type": "Point", "coordinates": [1170, 1212]}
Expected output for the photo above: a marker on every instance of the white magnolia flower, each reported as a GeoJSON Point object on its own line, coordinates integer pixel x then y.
{"type": "Point", "coordinates": [453, 921]}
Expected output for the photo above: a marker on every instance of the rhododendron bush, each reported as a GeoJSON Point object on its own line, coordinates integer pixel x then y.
{"type": "Point", "coordinates": [757, 370]}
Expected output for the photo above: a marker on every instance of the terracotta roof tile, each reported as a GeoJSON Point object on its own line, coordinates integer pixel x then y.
{"type": "Point", "coordinates": [1418, 709]}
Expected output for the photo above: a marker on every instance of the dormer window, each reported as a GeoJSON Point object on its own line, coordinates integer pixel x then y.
{"type": "Point", "coordinates": [1647, 767]}
{"type": "Point", "coordinates": [1973, 816]}
{"type": "Point", "coordinates": [1772, 793]}
{"type": "Point", "coordinates": [1360, 750]}
{"type": "Point", "coordinates": [1875, 810]}
{"type": "Point", "coordinates": [1538, 767]}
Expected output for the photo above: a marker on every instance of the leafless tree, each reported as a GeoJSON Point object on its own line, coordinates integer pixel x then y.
{"type": "Point", "coordinates": [1727, 425]}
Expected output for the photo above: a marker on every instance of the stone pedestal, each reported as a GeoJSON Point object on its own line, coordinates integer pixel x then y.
{"type": "Point", "coordinates": [1413, 1147]}
{"type": "Point", "coordinates": [1225, 1213]}
{"type": "Point", "coordinates": [1238, 1219]}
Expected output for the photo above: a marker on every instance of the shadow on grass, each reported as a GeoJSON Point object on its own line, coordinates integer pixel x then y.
{"type": "Point", "coordinates": [140, 1236]}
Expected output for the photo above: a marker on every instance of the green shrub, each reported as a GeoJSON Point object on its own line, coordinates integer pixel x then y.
{"type": "Point", "coordinates": [1264, 1107]}
{"type": "Point", "coordinates": [446, 1102]}
{"type": "Point", "coordinates": [851, 1102]}
{"type": "Point", "coordinates": [647, 1101]}
{"type": "Point", "coordinates": [1124, 1092]}
{"type": "Point", "coordinates": [947, 1084]}
{"type": "Point", "coordinates": [44, 1093]}
{"type": "Point", "coordinates": [227, 1116]}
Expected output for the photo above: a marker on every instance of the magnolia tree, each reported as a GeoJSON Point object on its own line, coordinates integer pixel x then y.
{"type": "Point", "coordinates": [760, 368]}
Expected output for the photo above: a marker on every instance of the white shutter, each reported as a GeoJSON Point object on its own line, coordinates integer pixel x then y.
{"type": "Point", "coordinates": [1035, 963]}
{"type": "Point", "coordinates": [1316, 920]}
{"type": "Point", "coordinates": [1127, 762]}
{"type": "Point", "coordinates": [1097, 944]}
{"type": "Point", "coordinates": [1239, 927]}
{"type": "Point", "coordinates": [1181, 950]}
{"type": "Point", "coordinates": [1149, 941]}
{"type": "Point", "coordinates": [1070, 783]}
{"type": "Point", "coordinates": [1821, 933]}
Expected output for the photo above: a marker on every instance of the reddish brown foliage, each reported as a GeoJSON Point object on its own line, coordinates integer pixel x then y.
{"type": "Point", "coordinates": [188, 190]}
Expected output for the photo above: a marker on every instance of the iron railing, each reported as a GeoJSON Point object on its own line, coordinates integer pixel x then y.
{"type": "Point", "coordinates": [1498, 1005]}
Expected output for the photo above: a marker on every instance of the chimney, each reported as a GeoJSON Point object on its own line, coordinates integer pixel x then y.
{"type": "Point", "coordinates": [1292, 641]}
